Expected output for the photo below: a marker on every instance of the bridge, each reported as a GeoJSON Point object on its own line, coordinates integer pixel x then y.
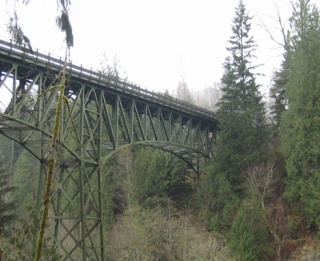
{"type": "Point", "coordinates": [104, 114]}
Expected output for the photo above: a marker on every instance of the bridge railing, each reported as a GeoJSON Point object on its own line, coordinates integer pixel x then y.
{"type": "Point", "coordinates": [56, 63]}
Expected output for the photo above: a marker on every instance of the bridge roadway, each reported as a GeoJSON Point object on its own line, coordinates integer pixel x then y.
{"type": "Point", "coordinates": [13, 53]}
{"type": "Point", "coordinates": [105, 113]}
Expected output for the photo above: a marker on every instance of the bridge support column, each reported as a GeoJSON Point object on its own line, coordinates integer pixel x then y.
{"type": "Point", "coordinates": [76, 217]}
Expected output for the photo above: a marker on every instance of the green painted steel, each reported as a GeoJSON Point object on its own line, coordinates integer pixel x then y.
{"type": "Point", "coordinates": [104, 114]}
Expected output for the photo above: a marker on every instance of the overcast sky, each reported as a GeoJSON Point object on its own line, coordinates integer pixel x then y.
{"type": "Point", "coordinates": [156, 42]}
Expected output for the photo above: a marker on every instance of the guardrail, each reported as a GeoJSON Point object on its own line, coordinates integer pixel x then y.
{"type": "Point", "coordinates": [56, 63]}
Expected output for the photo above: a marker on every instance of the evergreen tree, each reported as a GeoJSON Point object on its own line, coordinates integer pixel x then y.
{"type": "Point", "coordinates": [241, 112]}
{"type": "Point", "coordinates": [249, 236]}
{"type": "Point", "coordinates": [278, 93]}
{"type": "Point", "coordinates": [243, 135]}
{"type": "Point", "coordinates": [300, 129]}
{"type": "Point", "coordinates": [183, 92]}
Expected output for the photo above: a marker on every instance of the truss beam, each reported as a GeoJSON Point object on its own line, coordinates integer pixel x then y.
{"type": "Point", "coordinates": [103, 114]}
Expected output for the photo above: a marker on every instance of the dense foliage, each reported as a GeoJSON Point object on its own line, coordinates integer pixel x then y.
{"type": "Point", "coordinates": [256, 199]}
{"type": "Point", "coordinates": [242, 124]}
{"type": "Point", "coordinates": [242, 143]}
{"type": "Point", "coordinates": [300, 129]}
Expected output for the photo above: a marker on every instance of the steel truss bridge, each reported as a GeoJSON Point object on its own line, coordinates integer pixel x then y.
{"type": "Point", "coordinates": [104, 114]}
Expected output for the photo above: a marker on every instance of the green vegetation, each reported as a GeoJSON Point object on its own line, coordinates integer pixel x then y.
{"type": "Point", "coordinates": [7, 205]}
{"type": "Point", "coordinates": [163, 234]}
{"type": "Point", "coordinates": [300, 129]}
{"type": "Point", "coordinates": [158, 178]}
{"type": "Point", "coordinates": [243, 132]}
{"type": "Point", "coordinates": [256, 199]}
{"type": "Point", "coordinates": [242, 144]}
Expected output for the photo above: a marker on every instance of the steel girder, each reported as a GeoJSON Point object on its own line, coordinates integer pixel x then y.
{"type": "Point", "coordinates": [103, 114]}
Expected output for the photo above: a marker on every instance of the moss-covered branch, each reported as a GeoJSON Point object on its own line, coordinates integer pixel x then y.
{"type": "Point", "coordinates": [51, 161]}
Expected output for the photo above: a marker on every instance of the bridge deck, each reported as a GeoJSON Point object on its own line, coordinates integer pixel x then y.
{"type": "Point", "coordinates": [11, 53]}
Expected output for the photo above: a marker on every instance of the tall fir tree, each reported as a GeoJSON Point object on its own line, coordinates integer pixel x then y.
{"type": "Point", "coordinates": [300, 129]}
{"type": "Point", "coordinates": [241, 113]}
{"type": "Point", "coordinates": [243, 132]}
